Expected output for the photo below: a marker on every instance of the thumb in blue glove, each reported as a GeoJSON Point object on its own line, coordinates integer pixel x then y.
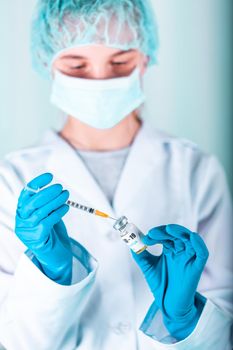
{"type": "Point", "coordinates": [39, 226]}
{"type": "Point", "coordinates": [174, 275]}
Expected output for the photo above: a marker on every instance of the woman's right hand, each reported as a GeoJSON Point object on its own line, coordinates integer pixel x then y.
{"type": "Point", "coordinates": [39, 226]}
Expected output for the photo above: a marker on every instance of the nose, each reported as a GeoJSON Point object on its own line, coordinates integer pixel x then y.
{"type": "Point", "coordinates": [100, 72]}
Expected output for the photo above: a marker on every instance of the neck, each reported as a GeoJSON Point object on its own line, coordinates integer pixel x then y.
{"type": "Point", "coordinates": [82, 136]}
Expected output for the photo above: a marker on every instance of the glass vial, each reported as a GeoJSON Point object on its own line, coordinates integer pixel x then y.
{"type": "Point", "coordinates": [130, 234]}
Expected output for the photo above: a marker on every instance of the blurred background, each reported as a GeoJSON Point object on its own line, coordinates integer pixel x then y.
{"type": "Point", "coordinates": [188, 92]}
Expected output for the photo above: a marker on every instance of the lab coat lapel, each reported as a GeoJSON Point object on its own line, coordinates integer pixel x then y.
{"type": "Point", "coordinates": [68, 168]}
{"type": "Point", "coordinates": [139, 165]}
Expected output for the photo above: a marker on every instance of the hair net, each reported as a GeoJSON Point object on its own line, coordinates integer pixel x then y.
{"type": "Point", "coordinates": [58, 25]}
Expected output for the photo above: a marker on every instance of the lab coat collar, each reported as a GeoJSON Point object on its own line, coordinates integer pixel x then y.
{"type": "Point", "coordinates": [69, 169]}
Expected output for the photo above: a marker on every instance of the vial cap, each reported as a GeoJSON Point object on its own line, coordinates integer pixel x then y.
{"type": "Point", "coordinates": [120, 223]}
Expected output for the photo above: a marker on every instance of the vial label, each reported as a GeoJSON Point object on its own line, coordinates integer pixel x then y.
{"type": "Point", "coordinates": [133, 240]}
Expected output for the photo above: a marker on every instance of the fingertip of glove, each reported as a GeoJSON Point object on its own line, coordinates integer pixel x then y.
{"type": "Point", "coordinates": [171, 228]}
{"type": "Point", "coordinates": [49, 175]}
{"type": "Point", "coordinates": [56, 188]}
{"type": "Point", "coordinates": [147, 240]}
{"type": "Point", "coordinates": [67, 193]}
{"type": "Point", "coordinates": [153, 232]}
{"type": "Point", "coordinates": [67, 207]}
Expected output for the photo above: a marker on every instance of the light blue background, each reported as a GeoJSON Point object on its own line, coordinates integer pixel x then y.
{"type": "Point", "coordinates": [188, 93]}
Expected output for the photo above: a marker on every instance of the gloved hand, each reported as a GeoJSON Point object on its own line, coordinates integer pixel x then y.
{"type": "Point", "coordinates": [174, 275]}
{"type": "Point", "coordinates": [40, 227]}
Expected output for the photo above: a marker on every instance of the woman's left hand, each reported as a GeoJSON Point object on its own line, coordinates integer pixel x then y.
{"type": "Point", "coordinates": [174, 275]}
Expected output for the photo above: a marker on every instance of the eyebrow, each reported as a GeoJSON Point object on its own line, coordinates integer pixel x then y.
{"type": "Point", "coordinates": [124, 52]}
{"type": "Point", "coordinates": [120, 53]}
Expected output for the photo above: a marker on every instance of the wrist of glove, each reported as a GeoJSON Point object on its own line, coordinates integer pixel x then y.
{"type": "Point", "coordinates": [181, 326]}
{"type": "Point", "coordinates": [59, 265]}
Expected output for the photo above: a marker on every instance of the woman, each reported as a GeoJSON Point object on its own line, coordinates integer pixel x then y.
{"type": "Point", "coordinates": [67, 279]}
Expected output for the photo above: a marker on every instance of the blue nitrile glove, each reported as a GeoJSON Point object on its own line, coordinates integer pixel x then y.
{"type": "Point", "coordinates": [40, 227]}
{"type": "Point", "coordinates": [174, 275]}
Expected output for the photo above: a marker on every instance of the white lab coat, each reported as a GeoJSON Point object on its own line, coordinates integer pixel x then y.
{"type": "Point", "coordinates": [165, 180]}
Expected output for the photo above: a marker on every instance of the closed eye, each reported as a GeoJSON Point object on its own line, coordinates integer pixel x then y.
{"type": "Point", "coordinates": [78, 67]}
{"type": "Point", "coordinates": [119, 63]}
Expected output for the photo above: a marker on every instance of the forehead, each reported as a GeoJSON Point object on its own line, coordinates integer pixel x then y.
{"type": "Point", "coordinates": [94, 50]}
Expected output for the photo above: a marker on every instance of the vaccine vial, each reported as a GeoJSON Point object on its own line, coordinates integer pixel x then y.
{"type": "Point", "coordinates": [130, 234]}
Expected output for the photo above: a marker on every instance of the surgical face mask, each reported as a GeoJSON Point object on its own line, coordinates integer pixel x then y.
{"type": "Point", "coordinates": [101, 104]}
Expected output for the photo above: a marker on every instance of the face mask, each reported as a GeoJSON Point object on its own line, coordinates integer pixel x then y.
{"type": "Point", "coordinates": [99, 103]}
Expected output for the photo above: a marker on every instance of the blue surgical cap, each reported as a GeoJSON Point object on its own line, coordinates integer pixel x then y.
{"type": "Point", "coordinates": [58, 25]}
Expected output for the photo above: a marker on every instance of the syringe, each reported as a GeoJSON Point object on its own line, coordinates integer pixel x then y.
{"type": "Point", "coordinates": [89, 210]}
{"type": "Point", "coordinates": [129, 233]}
{"type": "Point", "coordinates": [77, 205]}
